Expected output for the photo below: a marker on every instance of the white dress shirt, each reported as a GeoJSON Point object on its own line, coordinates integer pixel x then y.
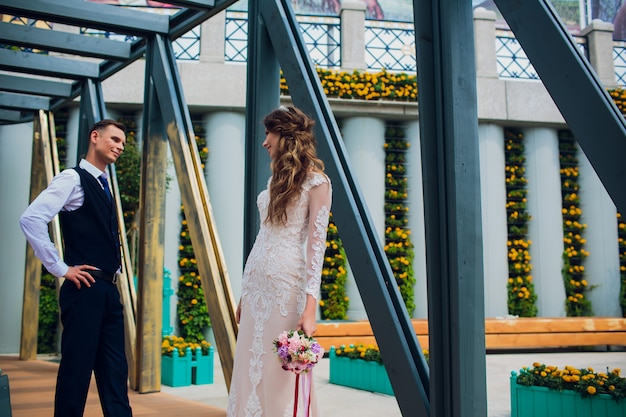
{"type": "Point", "coordinates": [63, 193]}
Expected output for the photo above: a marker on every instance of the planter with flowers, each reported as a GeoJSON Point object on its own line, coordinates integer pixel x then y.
{"type": "Point", "coordinates": [184, 363]}
{"type": "Point", "coordinates": [548, 391]}
{"type": "Point", "coordinates": [359, 366]}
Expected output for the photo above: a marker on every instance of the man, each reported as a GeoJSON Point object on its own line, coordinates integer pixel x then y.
{"type": "Point", "coordinates": [91, 311]}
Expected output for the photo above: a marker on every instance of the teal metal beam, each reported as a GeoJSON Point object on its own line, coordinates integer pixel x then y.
{"type": "Point", "coordinates": [588, 109]}
{"type": "Point", "coordinates": [30, 63]}
{"type": "Point", "coordinates": [262, 96]}
{"type": "Point", "coordinates": [448, 118]}
{"type": "Point", "coordinates": [87, 14]}
{"type": "Point", "coordinates": [13, 101]}
{"type": "Point", "coordinates": [27, 85]}
{"type": "Point", "coordinates": [12, 116]}
{"type": "Point", "coordinates": [57, 41]}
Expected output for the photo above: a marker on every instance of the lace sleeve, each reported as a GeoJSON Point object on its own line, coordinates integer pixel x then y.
{"type": "Point", "coordinates": [320, 196]}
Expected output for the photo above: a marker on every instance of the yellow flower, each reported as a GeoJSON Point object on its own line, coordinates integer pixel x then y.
{"type": "Point", "coordinates": [591, 390]}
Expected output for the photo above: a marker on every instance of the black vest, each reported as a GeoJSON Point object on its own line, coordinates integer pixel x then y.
{"type": "Point", "coordinates": [90, 233]}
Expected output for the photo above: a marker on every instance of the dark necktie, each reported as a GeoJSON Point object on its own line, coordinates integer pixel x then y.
{"type": "Point", "coordinates": [105, 184]}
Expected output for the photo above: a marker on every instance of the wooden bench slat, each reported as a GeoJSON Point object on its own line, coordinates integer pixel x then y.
{"type": "Point", "coordinates": [514, 333]}
{"type": "Point", "coordinates": [546, 340]}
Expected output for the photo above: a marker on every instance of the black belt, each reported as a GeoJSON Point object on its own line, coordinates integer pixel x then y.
{"type": "Point", "coordinates": [107, 276]}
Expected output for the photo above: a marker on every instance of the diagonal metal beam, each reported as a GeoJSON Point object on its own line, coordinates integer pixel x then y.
{"type": "Point", "coordinates": [196, 201]}
{"type": "Point", "coordinates": [180, 23]}
{"type": "Point", "coordinates": [186, 19]}
{"type": "Point", "coordinates": [71, 43]}
{"type": "Point", "coordinates": [589, 111]}
{"type": "Point", "coordinates": [14, 101]}
{"type": "Point", "coordinates": [28, 85]}
{"type": "Point", "coordinates": [392, 327]}
{"type": "Point", "coordinates": [87, 14]}
{"type": "Point", "coordinates": [30, 63]}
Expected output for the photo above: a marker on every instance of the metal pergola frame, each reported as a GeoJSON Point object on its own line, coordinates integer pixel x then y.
{"type": "Point", "coordinates": [454, 383]}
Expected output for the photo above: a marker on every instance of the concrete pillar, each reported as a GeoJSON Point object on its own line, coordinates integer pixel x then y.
{"type": "Point", "coordinates": [602, 264]}
{"type": "Point", "coordinates": [546, 226]}
{"type": "Point", "coordinates": [599, 36]}
{"type": "Point", "coordinates": [71, 141]}
{"type": "Point", "coordinates": [415, 203]}
{"type": "Point", "coordinates": [484, 43]}
{"type": "Point", "coordinates": [212, 38]}
{"type": "Point", "coordinates": [364, 139]}
{"type": "Point", "coordinates": [15, 163]}
{"type": "Point", "coordinates": [224, 173]}
{"type": "Point", "coordinates": [172, 233]}
{"type": "Point", "coordinates": [494, 218]}
{"type": "Point", "coordinates": [353, 35]}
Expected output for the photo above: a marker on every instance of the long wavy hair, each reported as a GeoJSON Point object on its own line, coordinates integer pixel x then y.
{"type": "Point", "coordinates": [295, 157]}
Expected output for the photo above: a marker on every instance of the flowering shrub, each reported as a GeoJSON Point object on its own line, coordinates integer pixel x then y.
{"type": "Point", "coordinates": [619, 97]}
{"type": "Point", "coordinates": [574, 253]}
{"type": "Point", "coordinates": [172, 343]}
{"type": "Point", "coordinates": [128, 170]}
{"type": "Point", "coordinates": [586, 381]}
{"type": "Point", "coordinates": [360, 351]}
{"type": "Point", "coordinates": [333, 299]}
{"type": "Point", "coordinates": [369, 353]}
{"type": "Point", "coordinates": [521, 293]}
{"type": "Point", "coordinates": [191, 308]}
{"type": "Point", "coordinates": [621, 233]}
{"type": "Point", "coordinates": [364, 85]}
{"type": "Point", "coordinates": [398, 245]}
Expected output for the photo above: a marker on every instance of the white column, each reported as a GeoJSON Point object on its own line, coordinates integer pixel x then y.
{"type": "Point", "coordinates": [546, 226]}
{"type": "Point", "coordinates": [602, 265]}
{"type": "Point", "coordinates": [15, 163]}
{"type": "Point", "coordinates": [415, 203]}
{"type": "Point", "coordinates": [364, 139]}
{"type": "Point", "coordinates": [71, 141]}
{"type": "Point", "coordinates": [494, 219]}
{"type": "Point", "coordinates": [224, 170]}
{"type": "Point", "coordinates": [172, 233]}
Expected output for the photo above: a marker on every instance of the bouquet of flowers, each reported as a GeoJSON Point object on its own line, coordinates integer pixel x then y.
{"type": "Point", "coordinates": [297, 352]}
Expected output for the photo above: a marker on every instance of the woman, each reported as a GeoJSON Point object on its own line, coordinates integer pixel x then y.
{"type": "Point", "coordinates": [282, 275]}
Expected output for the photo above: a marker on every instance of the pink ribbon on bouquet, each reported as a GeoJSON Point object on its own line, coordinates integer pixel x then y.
{"type": "Point", "coordinates": [307, 379]}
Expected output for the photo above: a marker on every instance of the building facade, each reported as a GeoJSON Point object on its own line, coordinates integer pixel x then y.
{"type": "Point", "coordinates": [509, 98]}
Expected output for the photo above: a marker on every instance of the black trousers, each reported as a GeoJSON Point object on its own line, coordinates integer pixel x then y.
{"type": "Point", "coordinates": [92, 340]}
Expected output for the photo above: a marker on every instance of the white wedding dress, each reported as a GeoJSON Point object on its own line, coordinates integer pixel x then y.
{"type": "Point", "coordinates": [284, 265]}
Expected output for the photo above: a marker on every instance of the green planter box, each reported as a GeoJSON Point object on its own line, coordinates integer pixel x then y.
{"type": "Point", "coordinates": [358, 373]}
{"type": "Point", "coordinates": [177, 371]}
{"type": "Point", "coordinates": [544, 402]}
{"type": "Point", "coordinates": [202, 369]}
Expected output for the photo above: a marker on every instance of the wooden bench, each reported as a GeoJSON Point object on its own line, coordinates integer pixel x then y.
{"type": "Point", "coordinates": [500, 334]}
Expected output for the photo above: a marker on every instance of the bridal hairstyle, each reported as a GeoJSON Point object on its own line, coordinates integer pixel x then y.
{"type": "Point", "coordinates": [296, 155]}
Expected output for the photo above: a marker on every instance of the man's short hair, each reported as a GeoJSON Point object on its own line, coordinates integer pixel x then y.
{"type": "Point", "coordinates": [104, 123]}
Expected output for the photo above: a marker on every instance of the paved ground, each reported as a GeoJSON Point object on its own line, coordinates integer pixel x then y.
{"type": "Point", "coordinates": [336, 400]}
